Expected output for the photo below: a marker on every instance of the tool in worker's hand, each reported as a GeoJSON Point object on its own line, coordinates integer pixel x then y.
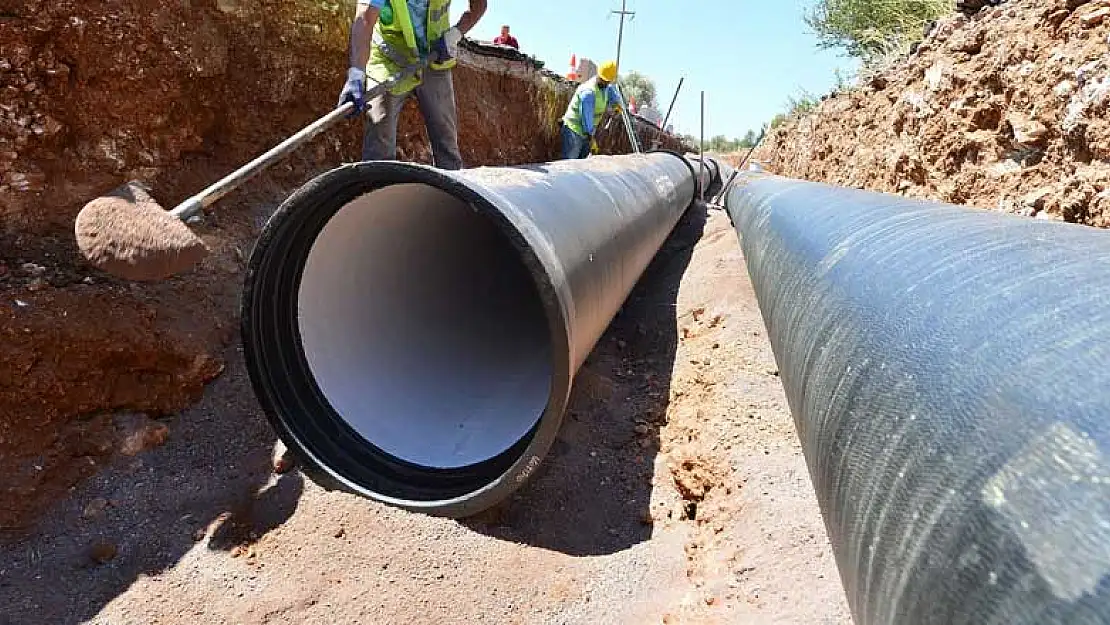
{"type": "Point", "coordinates": [629, 127]}
{"type": "Point", "coordinates": [128, 234]}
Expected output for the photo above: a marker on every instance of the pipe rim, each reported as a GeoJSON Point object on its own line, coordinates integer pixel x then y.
{"type": "Point", "coordinates": [331, 452]}
{"type": "Point", "coordinates": [690, 166]}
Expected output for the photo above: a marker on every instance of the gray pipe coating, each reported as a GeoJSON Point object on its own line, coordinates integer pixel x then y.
{"type": "Point", "coordinates": [706, 176]}
{"type": "Point", "coordinates": [949, 374]}
{"type": "Point", "coordinates": [413, 333]}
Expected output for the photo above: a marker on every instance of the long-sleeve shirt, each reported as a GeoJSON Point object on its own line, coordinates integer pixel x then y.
{"type": "Point", "coordinates": [587, 104]}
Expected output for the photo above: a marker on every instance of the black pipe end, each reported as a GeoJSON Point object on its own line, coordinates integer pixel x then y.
{"type": "Point", "coordinates": [333, 454]}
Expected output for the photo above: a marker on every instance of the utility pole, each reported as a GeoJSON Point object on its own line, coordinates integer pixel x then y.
{"type": "Point", "coordinates": [624, 12]}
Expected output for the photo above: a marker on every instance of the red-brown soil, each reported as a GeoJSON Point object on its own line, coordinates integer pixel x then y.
{"type": "Point", "coordinates": [93, 94]}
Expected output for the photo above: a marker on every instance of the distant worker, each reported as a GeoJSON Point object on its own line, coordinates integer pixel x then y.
{"type": "Point", "coordinates": [505, 39]}
{"type": "Point", "coordinates": [587, 107]}
{"type": "Point", "coordinates": [411, 32]}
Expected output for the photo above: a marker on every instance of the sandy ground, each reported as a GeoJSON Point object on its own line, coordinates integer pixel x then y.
{"type": "Point", "coordinates": [676, 494]}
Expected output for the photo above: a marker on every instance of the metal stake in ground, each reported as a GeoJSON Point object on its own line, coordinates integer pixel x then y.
{"type": "Point", "coordinates": [670, 109]}
{"type": "Point", "coordinates": [716, 202]}
{"type": "Point", "coordinates": [701, 143]}
{"type": "Point", "coordinates": [663, 126]}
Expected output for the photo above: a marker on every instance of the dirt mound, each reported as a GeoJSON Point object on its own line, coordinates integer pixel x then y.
{"type": "Point", "coordinates": [93, 94]}
{"type": "Point", "coordinates": [1004, 110]}
{"type": "Point", "coordinates": [77, 352]}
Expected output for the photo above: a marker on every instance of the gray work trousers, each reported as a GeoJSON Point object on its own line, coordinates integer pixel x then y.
{"type": "Point", "coordinates": [436, 96]}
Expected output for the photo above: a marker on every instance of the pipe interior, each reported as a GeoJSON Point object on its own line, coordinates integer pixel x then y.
{"type": "Point", "coordinates": [423, 328]}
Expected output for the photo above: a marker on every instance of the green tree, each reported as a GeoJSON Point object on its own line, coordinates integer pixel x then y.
{"type": "Point", "coordinates": [636, 85]}
{"type": "Point", "coordinates": [797, 105]}
{"type": "Point", "coordinates": [724, 145]}
{"type": "Point", "coordinates": [872, 29]}
{"type": "Point", "coordinates": [801, 103]}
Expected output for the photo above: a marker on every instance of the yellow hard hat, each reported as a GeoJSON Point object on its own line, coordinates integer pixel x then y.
{"type": "Point", "coordinates": [608, 71]}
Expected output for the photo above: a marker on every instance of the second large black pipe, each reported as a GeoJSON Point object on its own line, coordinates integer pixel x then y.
{"type": "Point", "coordinates": [413, 333]}
{"type": "Point", "coordinates": [949, 374]}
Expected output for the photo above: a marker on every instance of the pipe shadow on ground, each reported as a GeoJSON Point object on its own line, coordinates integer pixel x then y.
{"type": "Point", "coordinates": [210, 482]}
{"type": "Point", "coordinates": [593, 494]}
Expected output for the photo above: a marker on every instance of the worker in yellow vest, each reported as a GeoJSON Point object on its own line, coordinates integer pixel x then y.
{"type": "Point", "coordinates": [588, 105]}
{"type": "Point", "coordinates": [409, 33]}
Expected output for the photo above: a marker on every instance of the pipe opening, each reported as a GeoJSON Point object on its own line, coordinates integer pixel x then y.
{"type": "Point", "coordinates": [423, 329]}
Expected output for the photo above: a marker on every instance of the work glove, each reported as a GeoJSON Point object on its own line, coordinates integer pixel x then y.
{"type": "Point", "coordinates": [593, 146]}
{"type": "Point", "coordinates": [447, 46]}
{"type": "Point", "coordinates": [354, 91]}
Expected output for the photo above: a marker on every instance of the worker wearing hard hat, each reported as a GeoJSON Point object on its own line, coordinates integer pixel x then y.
{"type": "Point", "coordinates": [411, 32]}
{"type": "Point", "coordinates": [588, 105]}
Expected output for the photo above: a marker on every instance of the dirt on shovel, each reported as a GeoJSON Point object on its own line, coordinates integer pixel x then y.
{"type": "Point", "coordinates": [128, 234]}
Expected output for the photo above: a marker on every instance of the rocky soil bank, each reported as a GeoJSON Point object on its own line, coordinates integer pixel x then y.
{"type": "Point", "coordinates": [1004, 110]}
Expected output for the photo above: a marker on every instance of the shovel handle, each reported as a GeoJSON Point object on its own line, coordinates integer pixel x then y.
{"type": "Point", "coordinates": [232, 181]}
{"type": "Point", "coordinates": [194, 205]}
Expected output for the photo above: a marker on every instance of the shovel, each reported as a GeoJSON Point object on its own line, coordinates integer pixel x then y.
{"type": "Point", "coordinates": [128, 234]}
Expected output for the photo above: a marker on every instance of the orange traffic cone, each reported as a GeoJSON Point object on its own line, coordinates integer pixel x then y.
{"type": "Point", "coordinates": [573, 73]}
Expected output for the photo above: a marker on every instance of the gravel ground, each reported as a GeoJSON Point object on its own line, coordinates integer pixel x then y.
{"type": "Point", "coordinates": [676, 494]}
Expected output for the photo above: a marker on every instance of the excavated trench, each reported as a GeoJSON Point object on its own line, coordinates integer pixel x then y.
{"type": "Point", "coordinates": [220, 82]}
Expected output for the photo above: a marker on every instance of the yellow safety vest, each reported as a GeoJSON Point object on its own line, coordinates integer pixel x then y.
{"type": "Point", "coordinates": [397, 47]}
{"type": "Point", "coordinates": [573, 117]}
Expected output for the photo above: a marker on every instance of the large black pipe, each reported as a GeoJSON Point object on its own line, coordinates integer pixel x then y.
{"type": "Point", "coordinates": [949, 374]}
{"type": "Point", "coordinates": [712, 175]}
{"type": "Point", "coordinates": [412, 333]}
{"type": "Point", "coordinates": [724, 172]}
{"type": "Point", "coordinates": [708, 173]}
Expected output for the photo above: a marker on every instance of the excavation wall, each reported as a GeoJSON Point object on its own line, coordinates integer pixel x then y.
{"type": "Point", "coordinates": [1004, 110]}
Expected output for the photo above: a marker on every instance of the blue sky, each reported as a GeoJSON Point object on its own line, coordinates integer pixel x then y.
{"type": "Point", "coordinates": [748, 55]}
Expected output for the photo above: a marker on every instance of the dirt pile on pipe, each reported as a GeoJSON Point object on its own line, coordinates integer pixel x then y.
{"type": "Point", "coordinates": [1008, 109]}
{"type": "Point", "coordinates": [175, 95]}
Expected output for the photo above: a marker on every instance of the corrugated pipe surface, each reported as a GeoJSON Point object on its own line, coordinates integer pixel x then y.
{"type": "Point", "coordinates": [949, 374]}
{"type": "Point", "coordinates": [413, 333]}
